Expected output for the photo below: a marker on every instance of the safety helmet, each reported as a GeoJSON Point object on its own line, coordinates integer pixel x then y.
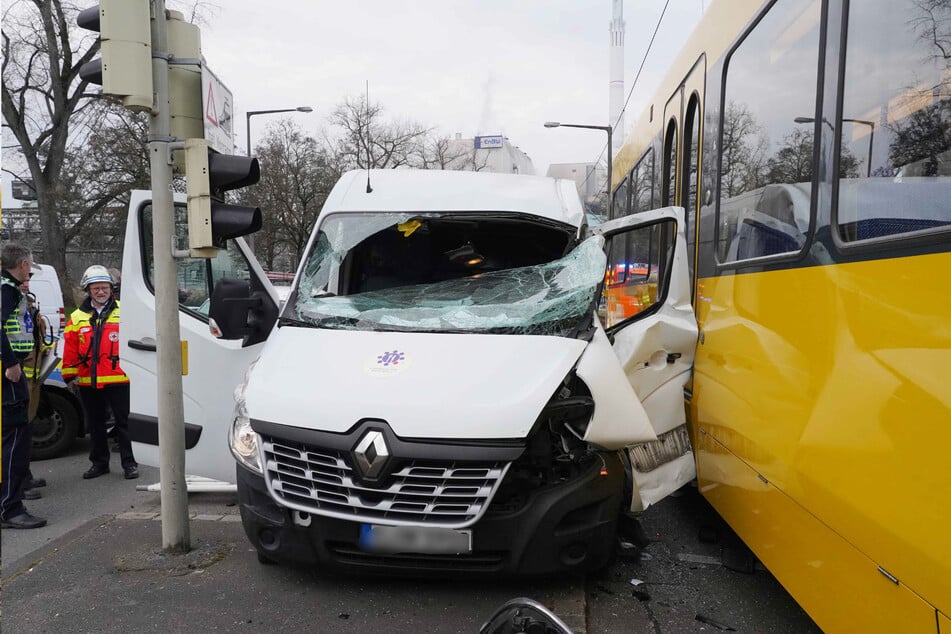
{"type": "Point", "coordinates": [95, 273]}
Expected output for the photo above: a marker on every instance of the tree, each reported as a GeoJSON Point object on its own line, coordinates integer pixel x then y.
{"type": "Point", "coordinates": [297, 173]}
{"type": "Point", "coordinates": [743, 152]}
{"type": "Point", "coordinates": [921, 144]}
{"type": "Point", "coordinates": [443, 153]}
{"type": "Point", "coordinates": [370, 141]}
{"type": "Point", "coordinates": [41, 96]}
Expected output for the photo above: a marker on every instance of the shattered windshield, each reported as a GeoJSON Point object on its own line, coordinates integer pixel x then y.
{"type": "Point", "coordinates": [388, 272]}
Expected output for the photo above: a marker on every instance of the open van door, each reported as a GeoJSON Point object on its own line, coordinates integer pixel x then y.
{"type": "Point", "coordinates": [215, 366]}
{"type": "Point", "coordinates": [646, 318]}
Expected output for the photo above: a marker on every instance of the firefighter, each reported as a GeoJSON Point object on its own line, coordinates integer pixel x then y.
{"type": "Point", "coordinates": [91, 358]}
{"type": "Point", "coordinates": [17, 340]}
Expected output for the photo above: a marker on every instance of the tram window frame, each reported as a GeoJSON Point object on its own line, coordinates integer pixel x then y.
{"type": "Point", "coordinates": [809, 235]}
{"type": "Point", "coordinates": [692, 144]}
{"type": "Point", "coordinates": [906, 239]}
{"type": "Point", "coordinates": [646, 162]}
{"type": "Point", "coordinates": [668, 179]}
{"type": "Point", "coordinates": [624, 189]}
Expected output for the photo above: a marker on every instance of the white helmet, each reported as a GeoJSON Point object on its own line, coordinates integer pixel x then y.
{"type": "Point", "coordinates": [95, 273]}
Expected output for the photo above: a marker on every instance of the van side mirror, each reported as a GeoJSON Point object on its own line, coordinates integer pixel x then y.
{"type": "Point", "coordinates": [242, 309]}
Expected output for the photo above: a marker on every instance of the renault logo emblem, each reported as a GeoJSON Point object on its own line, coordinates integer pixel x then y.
{"type": "Point", "coordinates": [371, 454]}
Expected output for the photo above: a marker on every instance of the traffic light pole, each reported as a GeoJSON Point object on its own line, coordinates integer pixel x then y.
{"type": "Point", "coordinates": [171, 418]}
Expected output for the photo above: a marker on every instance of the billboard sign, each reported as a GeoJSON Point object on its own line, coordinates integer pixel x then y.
{"type": "Point", "coordinates": [488, 142]}
{"type": "Point", "coordinates": [217, 105]}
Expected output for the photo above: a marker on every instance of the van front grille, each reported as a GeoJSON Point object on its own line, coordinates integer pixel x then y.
{"type": "Point", "coordinates": [451, 494]}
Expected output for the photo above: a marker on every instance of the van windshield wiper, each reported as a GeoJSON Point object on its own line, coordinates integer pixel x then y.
{"type": "Point", "coordinates": [290, 321]}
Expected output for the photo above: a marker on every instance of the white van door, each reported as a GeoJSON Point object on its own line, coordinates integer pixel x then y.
{"type": "Point", "coordinates": [216, 366]}
{"type": "Point", "coordinates": [647, 321]}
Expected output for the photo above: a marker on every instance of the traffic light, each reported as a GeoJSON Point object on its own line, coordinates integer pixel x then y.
{"type": "Point", "coordinates": [208, 175]}
{"type": "Point", "coordinates": [125, 67]}
{"type": "Point", "coordinates": [184, 80]}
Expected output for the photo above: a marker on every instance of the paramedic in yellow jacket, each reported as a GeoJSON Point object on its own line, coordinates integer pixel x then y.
{"type": "Point", "coordinates": [91, 358]}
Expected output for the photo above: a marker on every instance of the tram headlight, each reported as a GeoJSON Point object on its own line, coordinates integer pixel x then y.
{"type": "Point", "coordinates": [243, 439]}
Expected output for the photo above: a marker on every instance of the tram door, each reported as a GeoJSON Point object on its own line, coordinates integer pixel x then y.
{"type": "Point", "coordinates": [680, 165]}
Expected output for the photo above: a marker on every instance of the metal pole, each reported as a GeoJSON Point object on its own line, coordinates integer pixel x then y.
{"type": "Point", "coordinates": [171, 417]}
{"type": "Point", "coordinates": [610, 165]}
{"type": "Point", "coordinates": [247, 129]}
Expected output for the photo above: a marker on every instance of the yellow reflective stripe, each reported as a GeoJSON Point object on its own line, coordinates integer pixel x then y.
{"type": "Point", "coordinates": [112, 379]}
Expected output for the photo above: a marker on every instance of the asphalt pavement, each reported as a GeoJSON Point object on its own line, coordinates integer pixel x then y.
{"type": "Point", "coordinates": [99, 567]}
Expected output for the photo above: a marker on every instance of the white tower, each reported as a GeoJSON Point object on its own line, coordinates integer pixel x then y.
{"type": "Point", "coordinates": [616, 85]}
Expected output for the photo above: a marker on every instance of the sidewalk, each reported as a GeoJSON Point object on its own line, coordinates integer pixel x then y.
{"type": "Point", "coordinates": [110, 575]}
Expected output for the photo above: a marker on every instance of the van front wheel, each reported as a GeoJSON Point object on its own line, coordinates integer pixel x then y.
{"type": "Point", "coordinates": [55, 426]}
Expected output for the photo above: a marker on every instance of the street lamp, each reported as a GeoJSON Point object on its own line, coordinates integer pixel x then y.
{"type": "Point", "coordinates": [609, 130]}
{"type": "Point", "coordinates": [871, 135]}
{"type": "Point", "coordinates": [254, 112]}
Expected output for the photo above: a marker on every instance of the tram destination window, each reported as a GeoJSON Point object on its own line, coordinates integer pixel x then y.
{"type": "Point", "coordinates": [766, 148]}
{"type": "Point", "coordinates": [896, 121]}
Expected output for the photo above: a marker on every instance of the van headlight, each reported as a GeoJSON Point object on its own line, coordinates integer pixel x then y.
{"type": "Point", "coordinates": [243, 439]}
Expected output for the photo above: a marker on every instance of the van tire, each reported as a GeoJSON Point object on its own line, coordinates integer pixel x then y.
{"type": "Point", "coordinates": [55, 427]}
{"type": "Point", "coordinates": [265, 560]}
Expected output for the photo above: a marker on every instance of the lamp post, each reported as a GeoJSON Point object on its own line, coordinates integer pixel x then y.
{"type": "Point", "coordinates": [605, 128]}
{"type": "Point", "coordinates": [254, 112]}
{"type": "Point", "coordinates": [871, 136]}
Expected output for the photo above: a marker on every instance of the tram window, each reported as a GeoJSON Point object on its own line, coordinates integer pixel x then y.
{"type": "Point", "coordinates": [642, 183]}
{"type": "Point", "coordinates": [766, 147]}
{"type": "Point", "coordinates": [669, 182]}
{"type": "Point", "coordinates": [620, 200]}
{"type": "Point", "coordinates": [637, 262]}
{"type": "Point", "coordinates": [895, 165]}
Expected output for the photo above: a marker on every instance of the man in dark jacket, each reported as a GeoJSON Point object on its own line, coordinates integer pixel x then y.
{"type": "Point", "coordinates": [17, 342]}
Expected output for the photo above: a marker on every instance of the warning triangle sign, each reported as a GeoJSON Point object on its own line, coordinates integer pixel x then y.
{"type": "Point", "coordinates": [210, 109]}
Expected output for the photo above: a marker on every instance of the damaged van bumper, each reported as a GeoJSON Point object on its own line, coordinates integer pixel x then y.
{"type": "Point", "coordinates": [565, 526]}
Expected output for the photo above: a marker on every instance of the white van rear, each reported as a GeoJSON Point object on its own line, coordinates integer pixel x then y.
{"type": "Point", "coordinates": [46, 288]}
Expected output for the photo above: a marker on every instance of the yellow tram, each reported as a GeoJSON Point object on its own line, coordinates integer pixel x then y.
{"type": "Point", "coordinates": [810, 143]}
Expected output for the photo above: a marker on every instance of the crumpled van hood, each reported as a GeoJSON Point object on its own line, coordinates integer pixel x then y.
{"type": "Point", "coordinates": [425, 385]}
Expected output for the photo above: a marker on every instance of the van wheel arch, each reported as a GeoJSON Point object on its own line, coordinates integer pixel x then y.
{"type": "Point", "coordinates": [59, 421]}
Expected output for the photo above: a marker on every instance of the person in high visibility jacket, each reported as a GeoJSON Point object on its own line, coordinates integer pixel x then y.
{"type": "Point", "coordinates": [91, 358]}
{"type": "Point", "coordinates": [43, 346]}
{"type": "Point", "coordinates": [17, 342]}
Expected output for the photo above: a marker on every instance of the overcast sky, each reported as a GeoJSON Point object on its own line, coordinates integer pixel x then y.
{"type": "Point", "coordinates": [466, 66]}
{"type": "Point", "coordinates": [461, 66]}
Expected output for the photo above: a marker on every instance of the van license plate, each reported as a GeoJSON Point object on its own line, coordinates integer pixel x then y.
{"type": "Point", "coordinates": [415, 539]}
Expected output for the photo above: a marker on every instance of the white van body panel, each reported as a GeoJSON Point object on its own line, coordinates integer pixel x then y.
{"type": "Point", "coordinates": [619, 419]}
{"type": "Point", "coordinates": [215, 366]}
{"type": "Point", "coordinates": [451, 386]}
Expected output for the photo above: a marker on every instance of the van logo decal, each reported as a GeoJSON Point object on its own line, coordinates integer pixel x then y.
{"type": "Point", "coordinates": [371, 454]}
{"type": "Point", "coordinates": [390, 358]}
{"type": "Point", "coordinates": [387, 364]}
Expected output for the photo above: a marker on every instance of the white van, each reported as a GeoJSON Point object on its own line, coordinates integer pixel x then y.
{"type": "Point", "coordinates": [59, 416]}
{"type": "Point", "coordinates": [449, 386]}
{"type": "Point", "coordinates": [44, 284]}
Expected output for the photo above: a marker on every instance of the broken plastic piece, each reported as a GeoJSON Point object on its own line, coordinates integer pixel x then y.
{"type": "Point", "coordinates": [635, 582]}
